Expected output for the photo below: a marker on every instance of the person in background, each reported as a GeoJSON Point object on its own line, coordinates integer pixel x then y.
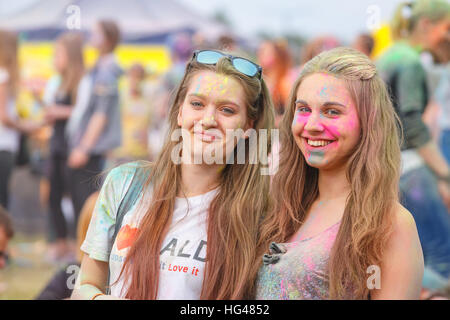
{"type": "Point", "coordinates": [6, 234]}
{"type": "Point", "coordinates": [181, 47]}
{"type": "Point", "coordinates": [94, 127]}
{"type": "Point", "coordinates": [442, 97]}
{"type": "Point", "coordinates": [437, 114]}
{"type": "Point", "coordinates": [10, 123]}
{"type": "Point", "coordinates": [60, 286]}
{"type": "Point", "coordinates": [136, 109]}
{"type": "Point", "coordinates": [316, 46]}
{"type": "Point", "coordinates": [425, 176]}
{"type": "Point", "coordinates": [275, 59]}
{"type": "Point", "coordinates": [59, 97]}
{"type": "Point", "coordinates": [364, 43]}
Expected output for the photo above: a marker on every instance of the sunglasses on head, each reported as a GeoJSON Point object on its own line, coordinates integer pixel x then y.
{"type": "Point", "coordinates": [240, 64]}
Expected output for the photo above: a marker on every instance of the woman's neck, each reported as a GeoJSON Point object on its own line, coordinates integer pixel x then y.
{"type": "Point", "coordinates": [333, 184]}
{"type": "Point", "coordinates": [198, 179]}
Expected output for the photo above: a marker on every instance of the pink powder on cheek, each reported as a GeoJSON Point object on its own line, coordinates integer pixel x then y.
{"type": "Point", "coordinates": [333, 130]}
{"type": "Point", "coordinates": [299, 118]}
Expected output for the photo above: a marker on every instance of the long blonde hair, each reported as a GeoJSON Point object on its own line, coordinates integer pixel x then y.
{"type": "Point", "coordinates": [373, 173]}
{"type": "Point", "coordinates": [8, 58]}
{"type": "Point", "coordinates": [408, 14]}
{"type": "Point", "coordinates": [72, 43]}
{"type": "Point", "coordinates": [234, 213]}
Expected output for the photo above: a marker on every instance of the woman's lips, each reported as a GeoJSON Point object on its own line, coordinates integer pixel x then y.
{"type": "Point", "coordinates": [205, 136]}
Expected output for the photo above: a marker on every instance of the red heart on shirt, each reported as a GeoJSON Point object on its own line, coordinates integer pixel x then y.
{"type": "Point", "coordinates": [126, 237]}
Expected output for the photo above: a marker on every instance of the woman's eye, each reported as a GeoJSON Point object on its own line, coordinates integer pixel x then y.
{"type": "Point", "coordinates": [303, 109]}
{"type": "Point", "coordinates": [228, 110]}
{"type": "Point", "coordinates": [332, 112]}
{"type": "Point", "coordinates": [196, 104]}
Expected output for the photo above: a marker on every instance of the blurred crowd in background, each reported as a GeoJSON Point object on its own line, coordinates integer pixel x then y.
{"type": "Point", "coordinates": [90, 117]}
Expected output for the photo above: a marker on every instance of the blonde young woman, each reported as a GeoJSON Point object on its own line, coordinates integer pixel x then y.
{"type": "Point", "coordinates": [193, 233]}
{"type": "Point", "coordinates": [337, 229]}
{"type": "Point", "coordinates": [10, 123]}
{"type": "Point", "coordinates": [59, 98]}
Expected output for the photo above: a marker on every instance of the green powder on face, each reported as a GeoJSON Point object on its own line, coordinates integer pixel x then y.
{"type": "Point", "coordinates": [316, 157]}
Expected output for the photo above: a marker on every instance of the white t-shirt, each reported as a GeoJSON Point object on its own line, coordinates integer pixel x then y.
{"type": "Point", "coordinates": [9, 138]}
{"type": "Point", "coordinates": [182, 255]}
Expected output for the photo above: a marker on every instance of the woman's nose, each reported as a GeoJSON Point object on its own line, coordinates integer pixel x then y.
{"type": "Point", "coordinates": [209, 117]}
{"type": "Point", "coordinates": [314, 122]}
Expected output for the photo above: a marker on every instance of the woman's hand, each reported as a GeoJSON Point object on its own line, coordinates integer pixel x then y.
{"type": "Point", "coordinates": [77, 158]}
{"type": "Point", "coordinates": [50, 114]}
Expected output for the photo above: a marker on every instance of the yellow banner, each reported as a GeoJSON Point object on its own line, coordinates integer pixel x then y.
{"type": "Point", "coordinates": [36, 67]}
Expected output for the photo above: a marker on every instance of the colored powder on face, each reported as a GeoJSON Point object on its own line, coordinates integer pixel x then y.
{"type": "Point", "coordinates": [197, 89]}
{"type": "Point", "coordinates": [334, 130]}
{"type": "Point", "coordinates": [316, 157]}
{"type": "Point", "coordinates": [324, 91]}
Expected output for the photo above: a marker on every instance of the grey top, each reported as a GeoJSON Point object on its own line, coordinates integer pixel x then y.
{"type": "Point", "coordinates": [402, 70]}
{"type": "Point", "coordinates": [102, 96]}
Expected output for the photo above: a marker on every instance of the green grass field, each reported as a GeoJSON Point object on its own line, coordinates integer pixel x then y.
{"type": "Point", "coordinates": [28, 272]}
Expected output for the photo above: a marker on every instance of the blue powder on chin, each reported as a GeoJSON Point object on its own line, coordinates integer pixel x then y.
{"type": "Point", "coordinates": [316, 156]}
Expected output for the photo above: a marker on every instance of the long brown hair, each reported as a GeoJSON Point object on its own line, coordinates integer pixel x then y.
{"type": "Point", "coordinates": [72, 43]}
{"type": "Point", "coordinates": [111, 32]}
{"type": "Point", "coordinates": [8, 58]}
{"type": "Point", "coordinates": [234, 213]}
{"type": "Point", "coordinates": [373, 173]}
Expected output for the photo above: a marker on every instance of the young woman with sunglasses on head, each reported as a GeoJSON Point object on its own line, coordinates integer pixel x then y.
{"type": "Point", "coordinates": [160, 251]}
{"type": "Point", "coordinates": [337, 229]}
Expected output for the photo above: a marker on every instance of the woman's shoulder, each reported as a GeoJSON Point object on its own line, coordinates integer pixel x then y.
{"type": "Point", "coordinates": [403, 218]}
{"type": "Point", "coordinates": [121, 178]}
{"type": "Point", "coordinates": [127, 170]}
{"type": "Point", "coordinates": [404, 230]}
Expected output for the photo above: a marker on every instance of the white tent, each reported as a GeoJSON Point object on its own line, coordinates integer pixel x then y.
{"type": "Point", "coordinates": [139, 20]}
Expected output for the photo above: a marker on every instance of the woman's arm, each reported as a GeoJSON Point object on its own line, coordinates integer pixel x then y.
{"type": "Point", "coordinates": [92, 281]}
{"type": "Point", "coordinates": [57, 112]}
{"type": "Point", "coordinates": [402, 266]}
{"type": "Point", "coordinates": [4, 117]}
{"type": "Point", "coordinates": [26, 126]}
{"type": "Point", "coordinates": [80, 154]}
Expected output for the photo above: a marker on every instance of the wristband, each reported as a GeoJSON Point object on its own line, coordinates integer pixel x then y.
{"type": "Point", "coordinates": [96, 295]}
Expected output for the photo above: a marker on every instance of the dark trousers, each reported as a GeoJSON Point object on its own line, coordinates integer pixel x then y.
{"type": "Point", "coordinates": [84, 181]}
{"type": "Point", "coordinates": [58, 178]}
{"type": "Point", "coordinates": [6, 168]}
{"type": "Point", "coordinates": [421, 197]}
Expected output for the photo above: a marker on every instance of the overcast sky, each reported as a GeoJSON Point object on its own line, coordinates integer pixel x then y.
{"type": "Point", "coordinates": [343, 18]}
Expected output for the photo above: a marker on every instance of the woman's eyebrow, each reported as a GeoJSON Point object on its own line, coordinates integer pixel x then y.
{"type": "Point", "coordinates": [199, 95]}
{"type": "Point", "coordinates": [333, 103]}
{"type": "Point", "coordinates": [224, 101]}
{"type": "Point", "coordinates": [301, 101]}
{"type": "Point", "coordinates": [221, 101]}
{"type": "Point", "coordinates": [326, 104]}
